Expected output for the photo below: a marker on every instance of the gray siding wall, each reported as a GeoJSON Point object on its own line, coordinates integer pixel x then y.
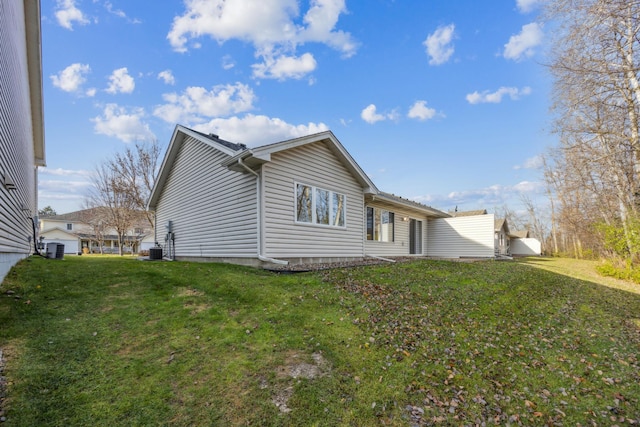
{"type": "Point", "coordinates": [400, 246]}
{"type": "Point", "coordinates": [213, 210]}
{"type": "Point", "coordinates": [469, 236]}
{"type": "Point", "coordinates": [16, 139]}
{"type": "Point", "coordinates": [315, 165]}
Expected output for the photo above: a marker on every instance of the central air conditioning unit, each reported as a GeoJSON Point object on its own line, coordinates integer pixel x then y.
{"type": "Point", "coordinates": [55, 250]}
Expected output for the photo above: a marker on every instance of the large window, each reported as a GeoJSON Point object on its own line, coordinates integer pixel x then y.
{"type": "Point", "coordinates": [380, 225]}
{"type": "Point", "coordinates": [318, 206]}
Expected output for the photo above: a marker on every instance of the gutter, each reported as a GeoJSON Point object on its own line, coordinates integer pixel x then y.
{"type": "Point", "coordinates": [259, 217]}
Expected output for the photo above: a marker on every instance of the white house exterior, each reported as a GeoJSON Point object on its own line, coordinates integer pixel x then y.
{"type": "Point", "coordinates": [301, 200]}
{"type": "Point", "coordinates": [462, 237]}
{"type": "Point", "coordinates": [528, 246]}
{"type": "Point", "coordinates": [75, 231]}
{"type": "Point", "coordinates": [21, 128]}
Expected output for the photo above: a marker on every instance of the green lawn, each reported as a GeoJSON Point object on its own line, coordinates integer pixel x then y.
{"type": "Point", "coordinates": [105, 341]}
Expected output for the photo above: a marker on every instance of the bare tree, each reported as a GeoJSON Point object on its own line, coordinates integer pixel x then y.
{"type": "Point", "coordinates": [112, 192]}
{"type": "Point", "coordinates": [594, 173]}
{"type": "Point", "coordinates": [138, 167]}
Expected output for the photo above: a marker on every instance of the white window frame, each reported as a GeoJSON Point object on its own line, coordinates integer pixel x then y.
{"type": "Point", "coordinates": [314, 220]}
{"type": "Point", "coordinates": [373, 235]}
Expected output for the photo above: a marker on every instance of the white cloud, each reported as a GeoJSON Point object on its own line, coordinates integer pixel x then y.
{"type": "Point", "coordinates": [121, 82]}
{"type": "Point", "coordinates": [439, 44]}
{"type": "Point", "coordinates": [254, 130]}
{"type": "Point", "coordinates": [420, 111]}
{"type": "Point", "coordinates": [521, 45]}
{"type": "Point", "coordinates": [321, 19]}
{"type": "Point", "coordinates": [496, 97]}
{"type": "Point", "coordinates": [371, 116]}
{"type": "Point", "coordinates": [67, 13]}
{"type": "Point", "coordinates": [167, 77]}
{"type": "Point", "coordinates": [228, 62]}
{"type": "Point", "coordinates": [63, 172]}
{"type": "Point", "coordinates": [285, 67]}
{"type": "Point", "coordinates": [534, 162]}
{"type": "Point", "coordinates": [493, 195]}
{"type": "Point", "coordinates": [127, 126]}
{"type": "Point", "coordinates": [196, 104]}
{"type": "Point", "coordinates": [270, 25]}
{"type": "Point", "coordinates": [63, 189]}
{"type": "Point", "coordinates": [528, 187]}
{"type": "Point", "coordinates": [71, 78]}
{"type": "Point", "coordinates": [526, 6]}
{"type": "Point", "coordinates": [117, 12]}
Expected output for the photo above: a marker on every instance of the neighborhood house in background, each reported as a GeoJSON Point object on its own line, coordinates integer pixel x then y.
{"type": "Point", "coordinates": [303, 200]}
{"type": "Point", "coordinates": [85, 232]}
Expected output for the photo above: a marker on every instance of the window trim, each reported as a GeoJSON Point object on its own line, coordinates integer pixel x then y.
{"type": "Point", "coordinates": [314, 220]}
{"type": "Point", "coordinates": [69, 226]}
{"type": "Point", "coordinates": [373, 225]}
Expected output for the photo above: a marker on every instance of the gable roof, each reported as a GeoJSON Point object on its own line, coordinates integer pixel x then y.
{"type": "Point", "coordinates": [468, 213]}
{"type": "Point", "coordinates": [520, 234]}
{"type": "Point", "coordinates": [179, 134]}
{"type": "Point", "coordinates": [77, 216]}
{"type": "Point", "coordinates": [241, 157]}
{"type": "Point", "coordinates": [500, 224]}
{"type": "Point", "coordinates": [259, 155]}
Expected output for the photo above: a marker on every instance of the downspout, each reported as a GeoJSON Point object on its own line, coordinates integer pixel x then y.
{"type": "Point", "coordinates": [259, 216]}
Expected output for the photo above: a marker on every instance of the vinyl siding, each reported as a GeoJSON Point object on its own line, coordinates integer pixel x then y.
{"type": "Point", "coordinates": [213, 210]}
{"type": "Point", "coordinates": [400, 246]}
{"type": "Point", "coordinates": [16, 139]}
{"type": "Point", "coordinates": [525, 247]}
{"type": "Point", "coordinates": [469, 236]}
{"type": "Point", "coordinates": [314, 165]}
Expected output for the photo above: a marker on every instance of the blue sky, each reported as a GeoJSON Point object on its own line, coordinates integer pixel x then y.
{"type": "Point", "coordinates": [443, 102]}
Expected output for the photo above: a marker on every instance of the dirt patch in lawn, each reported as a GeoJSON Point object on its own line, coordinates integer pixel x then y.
{"type": "Point", "coordinates": [297, 366]}
{"type": "Point", "coordinates": [188, 292]}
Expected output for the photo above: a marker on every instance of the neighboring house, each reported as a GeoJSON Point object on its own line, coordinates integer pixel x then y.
{"type": "Point", "coordinates": [457, 213]}
{"type": "Point", "coordinates": [502, 237]}
{"type": "Point", "coordinates": [21, 128]}
{"type": "Point", "coordinates": [82, 231]}
{"type": "Point", "coordinates": [469, 236]}
{"type": "Point", "coordinates": [476, 234]}
{"type": "Point", "coordinates": [301, 200]}
{"type": "Point", "coordinates": [522, 244]}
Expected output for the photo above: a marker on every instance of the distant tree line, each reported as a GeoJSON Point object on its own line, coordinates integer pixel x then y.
{"type": "Point", "coordinates": [593, 175]}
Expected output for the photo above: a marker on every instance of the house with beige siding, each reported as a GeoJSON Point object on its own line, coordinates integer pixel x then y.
{"type": "Point", "coordinates": [296, 201]}
{"type": "Point", "coordinates": [462, 236]}
{"type": "Point", "coordinates": [21, 128]}
{"type": "Point", "coordinates": [88, 231]}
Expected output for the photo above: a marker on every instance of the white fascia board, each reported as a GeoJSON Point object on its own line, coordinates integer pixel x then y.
{"type": "Point", "coordinates": [34, 67]}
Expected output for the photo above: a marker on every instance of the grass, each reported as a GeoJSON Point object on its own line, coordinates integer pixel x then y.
{"type": "Point", "coordinates": [103, 341]}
